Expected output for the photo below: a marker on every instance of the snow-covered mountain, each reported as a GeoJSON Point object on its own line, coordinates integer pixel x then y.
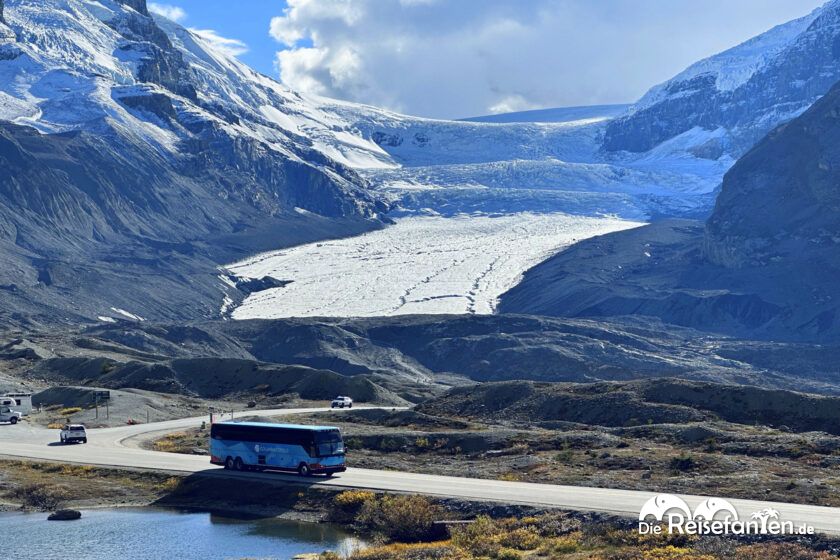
{"type": "Point", "coordinates": [739, 95]}
{"type": "Point", "coordinates": [130, 147]}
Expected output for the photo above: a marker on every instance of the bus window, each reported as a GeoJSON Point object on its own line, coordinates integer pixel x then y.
{"type": "Point", "coordinates": [329, 443]}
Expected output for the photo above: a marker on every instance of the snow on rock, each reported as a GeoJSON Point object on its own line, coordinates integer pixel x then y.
{"type": "Point", "coordinates": [420, 265]}
{"type": "Point", "coordinates": [127, 314]}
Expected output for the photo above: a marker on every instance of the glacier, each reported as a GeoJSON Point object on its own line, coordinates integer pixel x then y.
{"type": "Point", "coordinates": [420, 265]}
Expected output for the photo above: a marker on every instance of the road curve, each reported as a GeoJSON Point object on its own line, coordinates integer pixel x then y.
{"type": "Point", "coordinates": [118, 447]}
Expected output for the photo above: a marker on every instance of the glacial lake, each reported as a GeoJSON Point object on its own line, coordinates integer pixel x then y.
{"type": "Point", "coordinates": [144, 533]}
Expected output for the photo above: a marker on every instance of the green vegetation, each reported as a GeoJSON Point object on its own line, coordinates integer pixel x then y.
{"type": "Point", "coordinates": [405, 519]}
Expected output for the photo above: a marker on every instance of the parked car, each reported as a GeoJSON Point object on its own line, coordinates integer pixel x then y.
{"type": "Point", "coordinates": [342, 402]}
{"type": "Point", "coordinates": [10, 416]}
{"type": "Point", "coordinates": [73, 433]}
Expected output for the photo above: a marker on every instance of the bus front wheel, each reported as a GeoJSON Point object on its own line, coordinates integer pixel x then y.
{"type": "Point", "coordinates": [238, 465]}
{"type": "Point", "coordinates": [304, 470]}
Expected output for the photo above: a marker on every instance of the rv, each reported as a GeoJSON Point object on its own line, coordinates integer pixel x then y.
{"type": "Point", "coordinates": [21, 402]}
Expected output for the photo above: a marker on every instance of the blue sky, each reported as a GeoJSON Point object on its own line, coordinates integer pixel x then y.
{"type": "Point", "coordinates": [244, 20]}
{"type": "Point", "coordinates": [457, 58]}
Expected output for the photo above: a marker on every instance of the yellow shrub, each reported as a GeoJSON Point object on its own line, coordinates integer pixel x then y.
{"type": "Point", "coordinates": [170, 484]}
{"type": "Point", "coordinates": [69, 411]}
{"type": "Point", "coordinates": [353, 499]}
{"type": "Point", "coordinates": [522, 538]}
{"type": "Point", "coordinates": [76, 470]}
{"type": "Point", "coordinates": [780, 551]}
{"type": "Point", "coordinates": [674, 553]}
{"type": "Point", "coordinates": [55, 426]}
{"type": "Point", "coordinates": [508, 554]}
{"type": "Point", "coordinates": [401, 518]}
{"type": "Point", "coordinates": [418, 551]}
{"type": "Point", "coordinates": [479, 537]}
{"type": "Point", "coordinates": [561, 545]}
{"type": "Point", "coordinates": [165, 445]}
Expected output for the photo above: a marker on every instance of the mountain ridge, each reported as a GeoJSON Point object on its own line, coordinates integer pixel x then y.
{"type": "Point", "coordinates": [746, 90]}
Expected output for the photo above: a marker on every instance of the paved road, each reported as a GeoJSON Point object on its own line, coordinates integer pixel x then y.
{"type": "Point", "coordinates": [120, 447]}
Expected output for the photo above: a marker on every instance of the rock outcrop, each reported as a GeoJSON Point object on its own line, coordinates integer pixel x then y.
{"type": "Point", "coordinates": [65, 515]}
{"type": "Point", "coordinates": [781, 201]}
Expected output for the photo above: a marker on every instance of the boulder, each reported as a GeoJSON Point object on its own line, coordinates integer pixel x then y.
{"type": "Point", "coordinates": [65, 515]}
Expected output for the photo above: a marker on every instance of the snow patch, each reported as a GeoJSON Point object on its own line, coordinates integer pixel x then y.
{"type": "Point", "coordinates": [127, 314]}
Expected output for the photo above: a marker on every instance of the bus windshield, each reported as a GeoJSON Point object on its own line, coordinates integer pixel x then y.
{"type": "Point", "coordinates": [329, 443]}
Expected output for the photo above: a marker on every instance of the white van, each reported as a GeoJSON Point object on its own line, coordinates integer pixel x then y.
{"type": "Point", "coordinates": [10, 416]}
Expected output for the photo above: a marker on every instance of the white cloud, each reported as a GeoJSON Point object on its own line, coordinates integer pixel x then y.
{"type": "Point", "coordinates": [168, 11]}
{"type": "Point", "coordinates": [456, 58]}
{"type": "Point", "coordinates": [230, 47]}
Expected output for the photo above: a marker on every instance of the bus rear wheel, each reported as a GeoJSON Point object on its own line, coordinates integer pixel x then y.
{"type": "Point", "coordinates": [238, 465]}
{"type": "Point", "coordinates": [229, 463]}
{"type": "Point", "coordinates": [304, 470]}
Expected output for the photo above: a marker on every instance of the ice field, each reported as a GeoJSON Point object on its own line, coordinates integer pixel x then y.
{"type": "Point", "coordinates": [420, 265]}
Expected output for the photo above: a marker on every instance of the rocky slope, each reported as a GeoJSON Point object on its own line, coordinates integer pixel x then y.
{"type": "Point", "coordinates": [764, 265]}
{"type": "Point", "coordinates": [739, 95]}
{"type": "Point", "coordinates": [415, 356]}
{"type": "Point", "coordinates": [638, 403]}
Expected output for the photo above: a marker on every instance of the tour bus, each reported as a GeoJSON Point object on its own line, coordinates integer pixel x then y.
{"type": "Point", "coordinates": [259, 446]}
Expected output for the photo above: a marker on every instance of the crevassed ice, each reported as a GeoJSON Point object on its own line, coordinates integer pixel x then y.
{"type": "Point", "coordinates": [421, 265]}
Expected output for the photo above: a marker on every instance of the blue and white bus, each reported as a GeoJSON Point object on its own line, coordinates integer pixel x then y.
{"type": "Point", "coordinates": [259, 446]}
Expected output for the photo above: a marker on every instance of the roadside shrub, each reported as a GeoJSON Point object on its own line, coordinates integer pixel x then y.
{"type": "Point", "coordinates": [85, 471]}
{"type": "Point", "coordinates": [164, 445]}
{"type": "Point", "coordinates": [404, 519]}
{"type": "Point", "coordinates": [170, 484]}
{"type": "Point", "coordinates": [348, 504]}
{"type": "Point", "coordinates": [353, 499]}
{"type": "Point", "coordinates": [508, 554]}
{"type": "Point", "coordinates": [55, 426]}
{"type": "Point", "coordinates": [521, 538]}
{"type": "Point", "coordinates": [401, 551]}
{"type": "Point", "coordinates": [674, 553]}
{"type": "Point", "coordinates": [560, 545]}
{"type": "Point", "coordinates": [683, 463]}
{"type": "Point", "coordinates": [41, 496]}
{"type": "Point", "coordinates": [478, 537]}
{"type": "Point", "coordinates": [566, 455]}
{"type": "Point", "coordinates": [597, 535]}
{"type": "Point", "coordinates": [666, 553]}
{"type": "Point", "coordinates": [779, 551]}
{"type": "Point", "coordinates": [69, 411]}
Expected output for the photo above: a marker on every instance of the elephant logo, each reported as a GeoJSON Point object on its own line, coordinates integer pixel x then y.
{"type": "Point", "coordinates": [673, 507]}
{"type": "Point", "coordinates": [664, 505]}
{"type": "Point", "coordinates": [712, 507]}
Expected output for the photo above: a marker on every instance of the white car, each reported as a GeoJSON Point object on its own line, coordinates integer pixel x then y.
{"type": "Point", "coordinates": [342, 402]}
{"type": "Point", "coordinates": [9, 415]}
{"type": "Point", "coordinates": [73, 433]}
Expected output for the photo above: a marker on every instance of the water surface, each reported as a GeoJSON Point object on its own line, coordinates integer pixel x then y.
{"type": "Point", "coordinates": [152, 533]}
